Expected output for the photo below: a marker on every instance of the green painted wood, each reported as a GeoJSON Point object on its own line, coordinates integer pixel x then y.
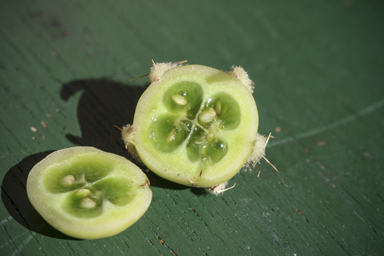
{"type": "Point", "coordinates": [65, 69]}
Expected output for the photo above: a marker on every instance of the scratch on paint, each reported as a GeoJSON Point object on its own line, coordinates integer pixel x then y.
{"type": "Point", "coordinates": [21, 246]}
{"type": "Point", "coordinates": [5, 220]}
{"type": "Point", "coordinates": [11, 241]}
{"type": "Point", "coordinates": [359, 216]}
{"type": "Point", "coordinates": [334, 125]}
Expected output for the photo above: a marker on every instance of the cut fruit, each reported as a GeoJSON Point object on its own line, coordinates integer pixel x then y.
{"type": "Point", "coordinates": [87, 193]}
{"type": "Point", "coordinates": [195, 125]}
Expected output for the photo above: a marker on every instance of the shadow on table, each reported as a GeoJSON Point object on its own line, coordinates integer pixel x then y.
{"type": "Point", "coordinates": [15, 199]}
{"type": "Point", "coordinates": [103, 105]}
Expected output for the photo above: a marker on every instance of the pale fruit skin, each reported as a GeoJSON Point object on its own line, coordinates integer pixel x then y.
{"type": "Point", "coordinates": [176, 165]}
{"type": "Point", "coordinates": [114, 219]}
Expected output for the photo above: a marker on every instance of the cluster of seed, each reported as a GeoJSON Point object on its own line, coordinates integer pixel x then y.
{"type": "Point", "coordinates": [89, 199]}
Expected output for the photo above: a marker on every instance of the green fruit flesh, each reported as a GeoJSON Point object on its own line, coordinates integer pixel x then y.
{"type": "Point", "coordinates": [196, 126]}
{"type": "Point", "coordinates": [87, 193]}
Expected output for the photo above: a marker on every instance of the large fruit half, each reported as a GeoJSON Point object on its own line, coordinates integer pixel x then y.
{"type": "Point", "coordinates": [194, 125]}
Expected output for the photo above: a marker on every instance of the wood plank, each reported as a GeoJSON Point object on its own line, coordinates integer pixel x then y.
{"type": "Point", "coordinates": [65, 70]}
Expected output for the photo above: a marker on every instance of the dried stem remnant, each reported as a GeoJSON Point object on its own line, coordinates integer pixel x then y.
{"type": "Point", "coordinates": [128, 134]}
{"type": "Point", "coordinates": [218, 189]}
{"type": "Point", "coordinates": [158, 69]}
{"type": "Point", "coordinates": [258, 151]}
{"type": "Point", "coordinates": [242, 75]}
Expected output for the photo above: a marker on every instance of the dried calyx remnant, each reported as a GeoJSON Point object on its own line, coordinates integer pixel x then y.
{"type": "Point", "coordinates": [128, 133]}
{"type": "Point", "coordinates": [258, 152]}
{"type": "Point", "coordinates": [156, 73]}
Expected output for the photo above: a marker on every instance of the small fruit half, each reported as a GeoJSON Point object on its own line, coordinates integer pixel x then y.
{"type": "Point", "coordinates": [87, 193]}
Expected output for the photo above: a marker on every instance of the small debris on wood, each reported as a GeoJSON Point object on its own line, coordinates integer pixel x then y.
{"type": "Point", "coordinates": [161, 240]}
{"type": "Point", "coordinates": [320, 143]}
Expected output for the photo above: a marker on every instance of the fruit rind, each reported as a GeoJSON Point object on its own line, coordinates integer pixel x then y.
{"type": "Point", "coordinates": [113, 220]}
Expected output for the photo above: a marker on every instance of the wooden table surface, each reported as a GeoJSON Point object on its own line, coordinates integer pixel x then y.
{"type": "Point", "coordinates": [65, 71]}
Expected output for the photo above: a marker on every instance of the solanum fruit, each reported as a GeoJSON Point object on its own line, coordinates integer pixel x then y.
{"type": "Point", "coordinates": [88, 193]}
{"type": "Point", "coordinates": [195, 125]}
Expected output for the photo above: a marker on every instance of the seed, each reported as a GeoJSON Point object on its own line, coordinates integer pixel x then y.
{"type": "Point", "coordinates": [180, 100]}
{"type": "Point", "coordinates": [68, 180]}
{"type": "Point", "coordinates": [87, 203]}
{"type": "Point", "coordinates": [83, 192]}
{"type": "Point", "coordinates": [207, 115]}
{"type": "Point", "coordinates": [171, 136]}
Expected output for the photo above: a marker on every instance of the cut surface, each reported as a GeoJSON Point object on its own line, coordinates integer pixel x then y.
{"type": "Point", "coordinates": [88, 193]}
{"type": "Point", "coordinates": [195, 125]}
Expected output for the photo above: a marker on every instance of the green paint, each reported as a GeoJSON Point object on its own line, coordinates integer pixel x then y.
{"type": "Point", "coordinates": [317, 68]}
